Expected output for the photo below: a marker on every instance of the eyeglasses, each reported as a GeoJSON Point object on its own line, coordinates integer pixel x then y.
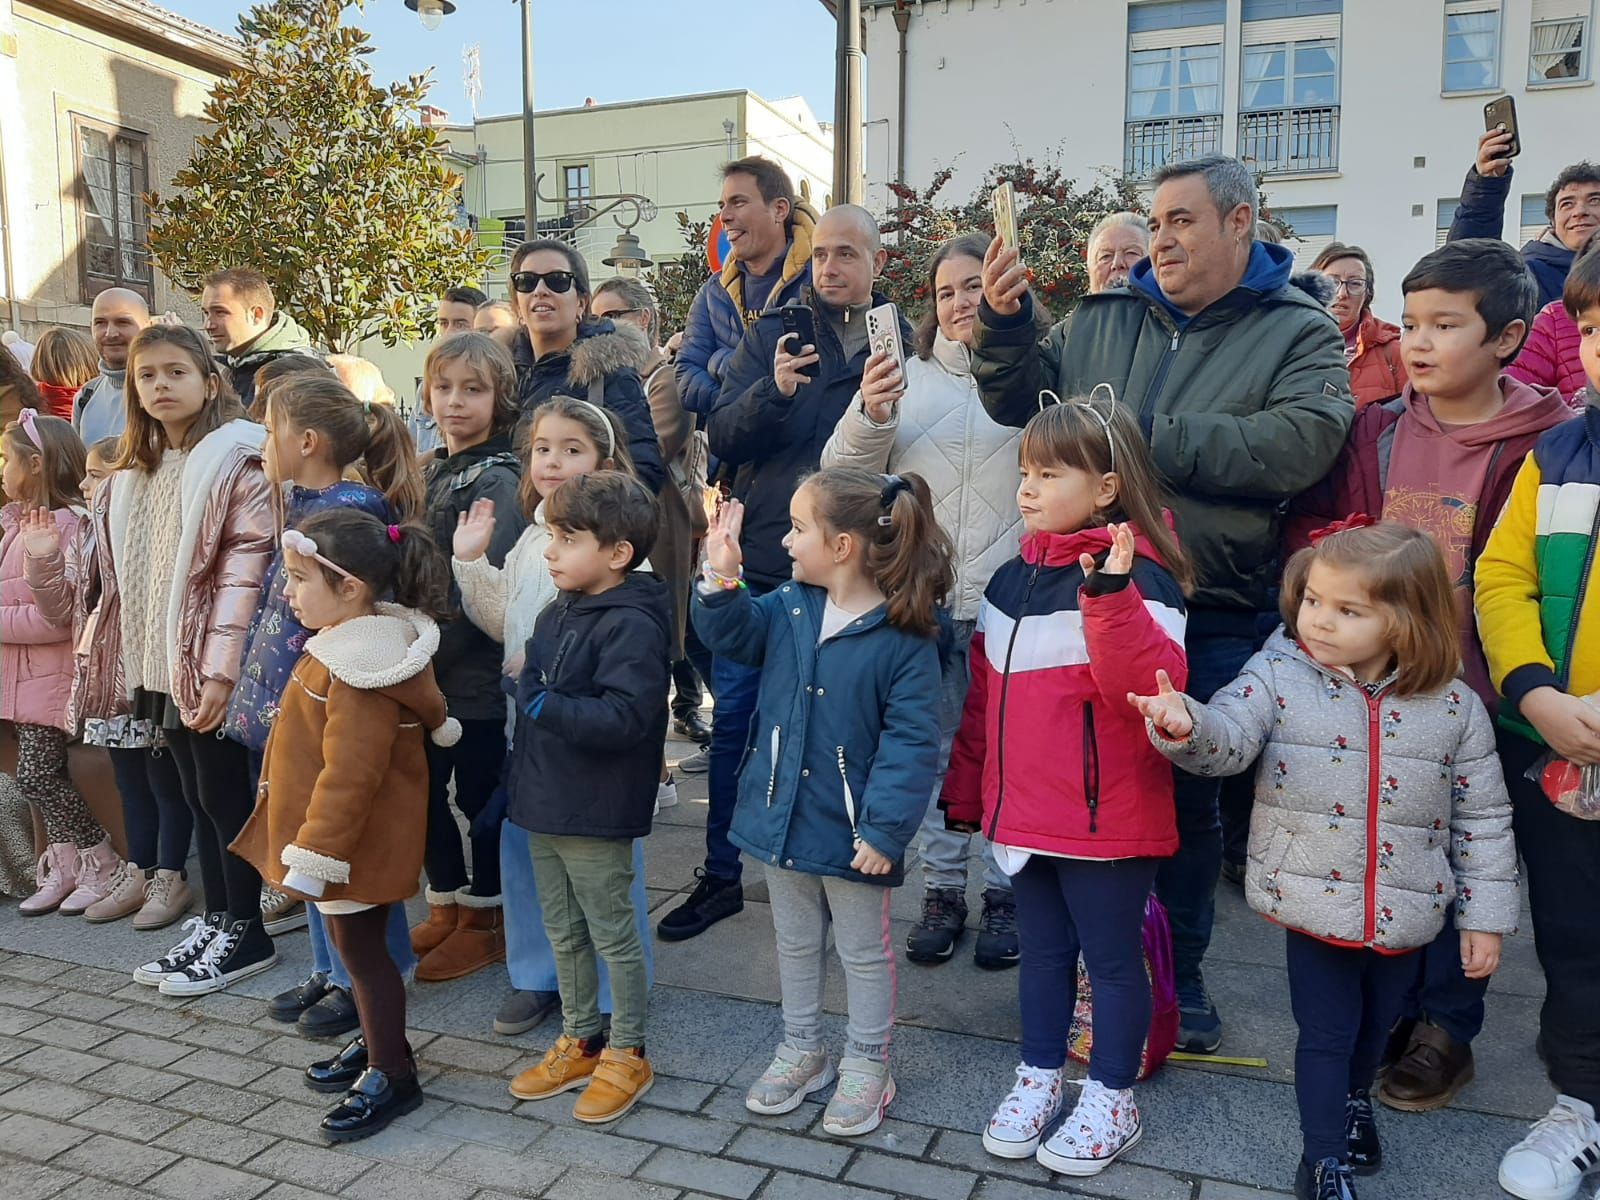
{"type": "Point", "coordinates": [618, 312]}
{"type": "Point", "coordinates": [1350, 287]}
{"type": "Point", "coordinates": [559, 282]}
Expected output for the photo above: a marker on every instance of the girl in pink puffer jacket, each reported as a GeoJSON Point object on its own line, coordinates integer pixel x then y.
{"type": "Point", "coordinates": [1549, 358]}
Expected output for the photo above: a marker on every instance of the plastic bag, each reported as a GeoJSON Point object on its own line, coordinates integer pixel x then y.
{"type": "Point", "coordinates": [1573, 789]}
{"type": "Point", "coordinates": [1163, 1033]}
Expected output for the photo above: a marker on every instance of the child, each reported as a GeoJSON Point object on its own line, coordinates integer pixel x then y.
{"type": "Point", "coordinates": [1441, 458]}
{"type": "Point", "coordinates": [591, 719]}
{"type": "Point", "coordinates": [156, 821]}
{"type": "Point", "coordinates": [316, 432]}
{"type": "Point", "coordinates": [472, 387]}
{"type": "Point", "coordinates": [848, 652]}
{"type": "Point", "coordinates": [341, 814]}
{"type": "Point", "coordinates": [1539, 610]}
{"type": "Point", "coordinates": [1380, 805]}
{"type": "Point", "coordinates": [567, 436]}
{"type": "Point", "coordinates": [189, 527]}
{"type": "Point", "coordinates": [42, 475]}
{"type": "Point", "coordinates": [1055, 768]}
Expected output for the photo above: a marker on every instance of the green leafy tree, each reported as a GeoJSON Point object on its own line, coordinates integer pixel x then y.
{"type": "Point", "coordinates": [326, 183]}
{"type": "Point", "coordinates": [676, 282]}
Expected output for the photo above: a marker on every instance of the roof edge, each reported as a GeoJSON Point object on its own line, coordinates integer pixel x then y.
{"type": "Point", "coordinates": [154, 28]}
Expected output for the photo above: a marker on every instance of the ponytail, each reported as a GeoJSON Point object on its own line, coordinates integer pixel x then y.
{"type": "Point", "coordinates": [370, 434]}
{"type": "Point", "coordinates": [904, 550]}
{"type": "Point", "coordinates": [422, 580]}
{"type": "Point", "coordinates": [389, 462]}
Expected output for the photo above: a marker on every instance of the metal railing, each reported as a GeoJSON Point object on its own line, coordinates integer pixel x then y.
{"type": "Point", "coordinates": [1150, 145]}
{"type": "Point", "coordinates": [1290, 140]}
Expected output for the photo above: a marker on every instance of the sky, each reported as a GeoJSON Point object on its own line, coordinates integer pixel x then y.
{"type": "Point", "coordinates": [672, 47]}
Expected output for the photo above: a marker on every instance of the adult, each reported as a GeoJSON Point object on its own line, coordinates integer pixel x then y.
{"type": "Point", "coordinates": [63, 361]}
{"type": "Point", "coordinates": [778, 407]}
{"type": "Point", "coordinates": [932, 422]}
{"type": "Point", "coordinates": [769, 262]}
{"type": "Point", "coordinates": [497, 319]}
{"type": "Point", "coordinates": [1116, 244]}
{"type": "Point", "coordinates": [457, 312]}
{"type": "Point", "coordinates": [117, 317]}
{"type": "Point", "coordinates": [363, 378]}
{"type": "Point", "coordinates": [246, 327]}
{"type": "Point", "coordinates": [1571, 206]}
{"type": "Point", "coordinates": [629, 302]}
{"type": "Point", "coordinates": [563, 350]}
{"type": "Point", "coordinates": [1239, 382]}
{"type": "Point", "coordinates": [1371, 345]}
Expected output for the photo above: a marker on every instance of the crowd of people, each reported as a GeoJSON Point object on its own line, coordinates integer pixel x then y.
{"type": "Point", "coordinates": [1220, 578]}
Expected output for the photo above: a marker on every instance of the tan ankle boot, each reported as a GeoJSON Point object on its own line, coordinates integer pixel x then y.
{"type": "Point", "coordinates": [443, 917]}
{"type": "Point", "coordinates": [478, 939]}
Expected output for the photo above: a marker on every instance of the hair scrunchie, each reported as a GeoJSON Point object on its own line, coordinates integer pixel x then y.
{"type": "Point", "coordinates": [394, 534]}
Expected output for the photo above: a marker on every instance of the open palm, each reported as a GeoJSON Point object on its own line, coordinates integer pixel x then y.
{"type": "Point", "coordinates": [474, 531]}
{"type": "Point", "coordinates": [1165, 710]}
{"type": "Point", "coordinates": [40, 537]}
{"type": "Point", "coordinates": [722, 541]}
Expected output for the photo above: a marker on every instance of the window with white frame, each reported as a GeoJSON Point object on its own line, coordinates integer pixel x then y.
{"type": "Point", "coordinates": [1533, 222]}
{"type": "Point", "coordinates": [1471, 45]}
{"type": "Point", "coordinates": [1446, 217]}
{"type": "Point", "coordinates": [1174, 107]}
{"type": "Point", "coordinates": [1174, 81]}
{"type": "Point", "coordinates": [1558, 41]}
{"type": "Point", "coordinates": [1290, 75]}
{"type": "Point", "coordinates": [1310, 230]}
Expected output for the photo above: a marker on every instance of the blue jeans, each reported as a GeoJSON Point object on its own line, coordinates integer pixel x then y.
{"type": "Point", "coordinates": [1187, 882]}
{"type": "Point", "coordinates": [530, 960]}
{"type": "Point", "coordinates": [325, 958]}
{"type": "Point", "coordinates": [734, 688]}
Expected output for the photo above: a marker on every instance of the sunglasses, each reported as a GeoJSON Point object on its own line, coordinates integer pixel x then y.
{"type": "Point", "coordinates": [559, 282]}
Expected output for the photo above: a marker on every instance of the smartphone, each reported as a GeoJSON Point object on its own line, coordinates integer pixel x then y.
{"type": "Point", "coordinates": [797, 320]}
{"type": "Point", "coordinates": [1503, 112]}
{"type": "Point", "coordinates": [883, 334]}
{"type": "Point", "coordinates": [1004, 201]}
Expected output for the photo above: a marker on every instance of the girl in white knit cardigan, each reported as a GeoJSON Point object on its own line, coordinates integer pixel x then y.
{"type": "Point", "coordinates": [566, 436]}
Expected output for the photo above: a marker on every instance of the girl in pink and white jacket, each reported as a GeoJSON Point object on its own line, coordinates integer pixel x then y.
{"type": "Point", "coordinates": [44, 464]}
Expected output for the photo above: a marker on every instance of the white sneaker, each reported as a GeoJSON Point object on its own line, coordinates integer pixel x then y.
{"type": "Point", "coordinates": [1102, 1126]}
{"type": "Point", "coordinates": [1550, 1163]}
{"type": "Point", "coordinates": [1017, 1125]}
{"type": "Point", "coordinates": [199, 932]}
{"type": "Point", "coordinates": [792, 1077]}
{"type": "Point", "coordinates": [666, 794]}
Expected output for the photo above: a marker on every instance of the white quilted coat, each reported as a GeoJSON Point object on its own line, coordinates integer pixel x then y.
{"type": "Point", "coordinates": [942, 433]}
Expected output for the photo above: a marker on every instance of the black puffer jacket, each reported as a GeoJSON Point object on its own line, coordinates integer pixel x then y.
{"type": "Point", "coordinates": [607, 353]}
{"type": "Point", "coordinates": [592, 713]}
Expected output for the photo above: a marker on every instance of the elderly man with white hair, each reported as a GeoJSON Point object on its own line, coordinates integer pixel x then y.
{"type": "Point", "coordinates": [1117, 242]}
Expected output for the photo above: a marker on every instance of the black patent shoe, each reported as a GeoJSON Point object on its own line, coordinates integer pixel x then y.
{"type": "Point", "coordinates": [371, 1104]}
{"type": "Point", "coordinates": [287, 1006]}
{"type": "Point", "coordinates": [1361, 1134]}
{"type": "Point", "coordinates": [341, 1071]}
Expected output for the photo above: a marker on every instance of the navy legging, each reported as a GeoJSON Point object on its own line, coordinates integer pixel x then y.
{"type": "Point", "coordinates": [1068, 905]}
{"type": "Point", "coordinates": [158, 823]}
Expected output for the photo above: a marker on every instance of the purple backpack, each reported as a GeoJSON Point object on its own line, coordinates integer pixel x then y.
{"type": "Point", "coordinates": [1163, 1034]}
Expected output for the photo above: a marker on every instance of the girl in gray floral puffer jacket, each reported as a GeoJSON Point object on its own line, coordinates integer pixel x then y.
{"type": "Point", "coordinates": [1379, 801]}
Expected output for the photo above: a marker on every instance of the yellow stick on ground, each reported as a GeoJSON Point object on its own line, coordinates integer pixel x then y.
{"type": "Point", "coordinates": [1220, 1060]}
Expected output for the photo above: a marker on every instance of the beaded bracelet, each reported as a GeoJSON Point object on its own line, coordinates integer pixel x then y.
{"type": "Point", "coordinates": [716, 579]}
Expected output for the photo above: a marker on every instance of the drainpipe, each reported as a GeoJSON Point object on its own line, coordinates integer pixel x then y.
{"type": "Point", "coordinates": [902, 22]}
{"type": "Point", "coordinates": [5, 245]}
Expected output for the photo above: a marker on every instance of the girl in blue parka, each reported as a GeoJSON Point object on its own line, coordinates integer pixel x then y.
{"type": "Point", "coordinates": [843, 751]}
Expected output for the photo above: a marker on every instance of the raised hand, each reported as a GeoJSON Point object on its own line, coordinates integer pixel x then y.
{"type": "Point", "coordinates": [1119, 561]}
{"type": "Point", "coordinates": [1493, 149]}
{"type": "Point", "coordinates": [882, 385]}
{"type": "Point", "coordinates": [722, 541]}
{"type": "Point", "coordinates": [40, 537]}
{"type": "Point", "coordinates": [1166, 709]}
{"type": "Point", "coordinates": [474, 530]}
{"type": "Point", "coordinates": [1005, 279]}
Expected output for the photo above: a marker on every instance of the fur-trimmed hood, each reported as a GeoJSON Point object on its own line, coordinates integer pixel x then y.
{"type": "Point", "coordinates": [608, 347]}
{"type": "Point", "coordinates": [377, 651]}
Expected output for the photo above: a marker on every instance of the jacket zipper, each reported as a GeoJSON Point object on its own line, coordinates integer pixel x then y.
{"type": "Point", "coordinates": [1577, 605]}
{"type": "Point", "coordinates": [1005, 688]}
{"type": "Point", "coordinates": [1374, 792]}
{"type": "Point", "coordinates": [1091, 765]}
{"type": "Point", "coordinates": [849, 800]}
{"type": "Point", "coordinates": [772, 778]}
{"type": "Point", "coordinates": [1147, 410]}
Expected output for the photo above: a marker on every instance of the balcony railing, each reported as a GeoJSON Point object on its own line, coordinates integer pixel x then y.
{"type": "Point", "coordinates": [1290, 140]}
{"type": "Point", "coordinates": [1150, 145]}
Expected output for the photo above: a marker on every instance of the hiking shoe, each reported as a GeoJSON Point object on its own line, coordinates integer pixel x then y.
{"type": "Point", "coordinates": [124, 897]}
{"type": "Point", "coordinates": [998, 945]}
{"type": "Point", "coordinates": [566, 1065]}
{"type": "Point", "coordinates": [616, 1085]}
{"type": "Point", "coordinates": [198, 933]}
{"type": "Point", "coordinates": [713, 899]}
{"type": "Point", "coordinates": [697, 763]}
{"type": "Point", "coordinates": [523, 1010]}
{"type": "Point", "coordinates": [944, 915]}
{"type": "Point", "coordinates": [98, 869]}
{"type": "Point", "coordinates": [288, 1005]}
{"type": "Point", "coordinates": [1018, 1124]}
{"type": "Point", "coordinates": [1326, 1179]}
{"type": "Point", "coordinates": [333, 1015]}
{"type": "Point", "coordinates": [693, 726]}
{"type": "Point", "coordinates": [1550, 1163]}
{"type": "Point", "coordinates": [237, 950]}
{"type": "Point", "coordinates": [1102, 1126]}
{"type": "Point", "coordinates": [281, 913]}
{"type": "Point", "coordinates": [166, 899]}
{"type": "Point", "coordinates": [1199, 1026]}
{"type": "Point", "coordinates": [1428, 1075]}
{"type": "Point", "coordinates": [1365, 1151]}
{"type": "Point", "coordinates": [856, 1107]}
{"type": "Point", "coordinates": [793, 1075]}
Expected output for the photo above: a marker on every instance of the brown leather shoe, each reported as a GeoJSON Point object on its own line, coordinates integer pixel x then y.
{"type": "Point", "coordinates": [565, 1067]}
{"type": "Point", "coordinates": [618, 1082]}
{"type": "Point", "coordinates": [441, 923]}
{"type": "Point", "coordinates": [1430, 1073]}
{"type": "Point", "coordinates": [478, 939]}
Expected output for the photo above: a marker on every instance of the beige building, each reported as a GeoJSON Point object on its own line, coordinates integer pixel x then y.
{"type": "Point", "coordinates": [100, 101]}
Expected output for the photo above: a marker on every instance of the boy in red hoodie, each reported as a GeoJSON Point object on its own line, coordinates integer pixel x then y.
{"type": "Point", "coordinates": [1441, 458]}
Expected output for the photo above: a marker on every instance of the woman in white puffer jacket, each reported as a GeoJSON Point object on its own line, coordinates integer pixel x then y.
{"type": "Point", "coordinates": [934, 424]}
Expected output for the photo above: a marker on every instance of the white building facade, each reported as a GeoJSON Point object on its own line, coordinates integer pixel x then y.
{"type": "Point", "coordinates": [1361, 115]}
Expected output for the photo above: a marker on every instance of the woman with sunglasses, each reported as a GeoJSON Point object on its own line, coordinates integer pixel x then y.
{"type": "Point", "coordinates": [563, 351]}
{"type": "Point", "coordinates": [1371, 346]}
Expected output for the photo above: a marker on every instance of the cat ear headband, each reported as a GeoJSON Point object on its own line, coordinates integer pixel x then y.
{"type": "Point", "coordinates": [1103, 419]}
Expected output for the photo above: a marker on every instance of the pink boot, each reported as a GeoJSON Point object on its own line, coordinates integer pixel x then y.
{"type": "Point", "coordinates": [57, 875]}
{"type": "Point", "coordinates": [97, 873]}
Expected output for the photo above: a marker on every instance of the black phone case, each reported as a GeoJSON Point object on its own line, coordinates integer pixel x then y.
{"type": "Point", "coordinates": [797, 320]}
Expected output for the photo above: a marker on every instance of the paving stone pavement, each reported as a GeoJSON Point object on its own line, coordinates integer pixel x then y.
{"type": "Point", "coordinates": [108, 1089]}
